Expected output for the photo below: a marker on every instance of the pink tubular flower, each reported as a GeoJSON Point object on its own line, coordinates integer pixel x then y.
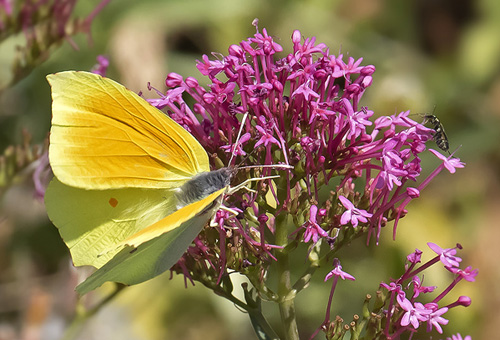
{"type": "Point", "coordinates": [413, 192]}
{"type": "Point", "coordinates": [171, 97]}
{"type": "Point", "coordinates": [415, 313]}
{"type": "Point", "coordinates": [337, 271]}
{"type": "Point", "coordinates": [352, 214]}
{"type": "Point", "coordinates": [411, 313]}
{"type": "Point", "coordinates": [418, 288]}
{"type": "Point", "coordinates": [237, 149]}
{"type": "Point", "coordinates": [449, 163]}
{"type": "Point", "coordinates": [42, 175]}
{"type": "Point", "coordinates": [467, 274]}
{"type": "Point", "coordinates": [463, 301]}
{"type": "Point", "coordinates": [392, 287]}
{"type": "Point", "coordinates": [313, 230]}
{"type": "Point", "coordinates": [434, 318]}
{"type": "Point", "coordinates": [458, 336]}
{"type": "Point", "coordinates": [415, 257]}
{"type": "Point", "coordinates": [447, 256]}
{"type": "Point", "coordinates": [102, 66]}
{"type": "Point", "coordinates": [266, 137]}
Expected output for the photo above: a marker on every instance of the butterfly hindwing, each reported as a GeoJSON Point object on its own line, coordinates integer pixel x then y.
{"type": "Point", "coordinates": [135, 265]}
{"type": "Point", "coordinates": [91, 221]}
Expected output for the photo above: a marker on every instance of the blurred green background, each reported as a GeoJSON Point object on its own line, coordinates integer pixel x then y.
{"type": "Point", "coordinates": [440, 56]}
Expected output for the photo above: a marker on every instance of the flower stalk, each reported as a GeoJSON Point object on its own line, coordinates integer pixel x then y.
{"type": "Point", "coordinates": [286, 294]}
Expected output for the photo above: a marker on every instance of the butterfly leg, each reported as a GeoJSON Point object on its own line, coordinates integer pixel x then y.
{"type": "Point", "coordinates": [233, 213]}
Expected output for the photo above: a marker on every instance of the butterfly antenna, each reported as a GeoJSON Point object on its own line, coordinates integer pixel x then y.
{"type": "Point", "coordinates": [284, 166]}
{"type": "Point", "coordinates": [238, 138]}
{"type": "Point", "coordinates": [246, 157]}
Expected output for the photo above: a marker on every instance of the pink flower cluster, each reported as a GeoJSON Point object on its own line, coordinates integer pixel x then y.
{"type": "Point", "coordinates": [351, 173]}
{"type": "Point", "coordinates": [304, 111]}
{"type": "Point", "coordinates": [411, 313]}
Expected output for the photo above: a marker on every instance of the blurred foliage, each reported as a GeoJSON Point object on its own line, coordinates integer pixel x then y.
{"type": "Point", "coordinates": [430, 55]}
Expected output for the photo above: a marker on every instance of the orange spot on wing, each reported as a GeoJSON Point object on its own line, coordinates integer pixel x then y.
{"type": "Point", "coordinates": [113, 202]}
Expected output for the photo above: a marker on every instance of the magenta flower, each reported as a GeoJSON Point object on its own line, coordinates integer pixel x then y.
{"type": "Point", "coordinates": [447, 256]}
{"type": "Point", "coordinates": [352, 214]}
{"type": "Point", "coordinates": [415, 257]}
{"type": "Point", "coordinates": [458, 336]}
{"type": "Point", "coordinates": [463, 301]}
{"type": "Point", "coordinates": [210, 68]}
{"type": "Point", "coordinates": [413, 192]}
{"type": "Point", "coordinates": [42, 175]}
{"type": "Point", "coordinates": [467, 274]}
{"type": "Point", "coordinates": [266, 136]}
{"type": "Point", "coordinates": [102, 65]}
{"type": "Point", "coordinates": [418, 288]}
{"type": "Point", "coordinates": [237, 149]}
{"type": "Point", "coordinates": [434, 318]}
{"type": "Point", "coordinates": [414, 313]}
{"type": "Point", "coordinates": [357, 121]}
{"type": "Point", "coordinates": [313, 230]}
{"type": "Point", "coordinates": [337, 271]}
{"type": "Point", "coordinates": [171, 97]}
{"type": "Point", "coordinates": [449, 163]}
{"type": "Point", "coordinates": [265, 44]}
{"type": "Point", "coordinates": [392, 287]}
{"type": "Point", "coordinates": [306, 92]}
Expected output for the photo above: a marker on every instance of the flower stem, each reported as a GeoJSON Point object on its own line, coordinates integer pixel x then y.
{"type": "Point", "coordinates": [285, 292]}
{"type": "Point", "coordinates": [76, 326]}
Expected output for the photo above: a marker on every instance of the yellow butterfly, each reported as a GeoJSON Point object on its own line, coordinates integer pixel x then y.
{"type": "Point", "coordinates": [126, 175]}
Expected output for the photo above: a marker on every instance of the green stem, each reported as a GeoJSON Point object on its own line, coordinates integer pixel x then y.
{"type": "Point", "coordinates": [285, 292]}
{"type": "Point", "coordinates": [82, 315]}
{"type": "Point", "coordinates": [252, 307]}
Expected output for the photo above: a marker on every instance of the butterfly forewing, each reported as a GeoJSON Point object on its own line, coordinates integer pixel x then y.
{"type": "Point", "coordinates": [105, 136]}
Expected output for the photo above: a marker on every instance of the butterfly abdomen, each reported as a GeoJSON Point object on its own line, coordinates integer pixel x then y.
{"type": "Point", "coordinates": [202, 185]}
